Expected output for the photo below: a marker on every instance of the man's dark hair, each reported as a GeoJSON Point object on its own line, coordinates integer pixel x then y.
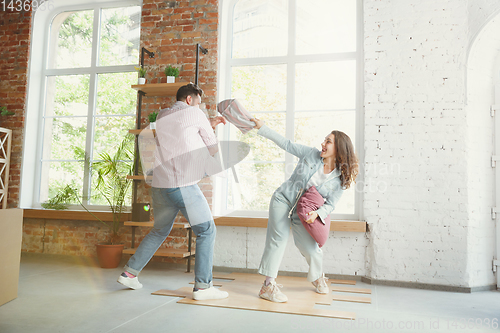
{"type": "Point", "coordinates": [190, 89]}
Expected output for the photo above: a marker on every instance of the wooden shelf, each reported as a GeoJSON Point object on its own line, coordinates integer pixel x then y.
{"type": "Point", "coordinates": [175, 253]}
{"type": "Point", "coordinates": [159, 89]}
{"type": "Point", "coordinates": [151, 224]}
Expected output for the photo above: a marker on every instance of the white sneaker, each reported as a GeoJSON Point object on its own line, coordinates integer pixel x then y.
{"type": "Point", "coordinates": [321, 285]}
{"type": "Point", "coordinates": [132, 283]}
{"type": "Point", "coordinates": [209, 293]}
{"type": "Point", "coordinates": [272, 292]}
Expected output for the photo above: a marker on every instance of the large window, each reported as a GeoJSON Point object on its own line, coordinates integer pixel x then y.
{"type": "Point", "coordinates": [297, 65]}
{"type": "Point", "coordinates": [86, 105]}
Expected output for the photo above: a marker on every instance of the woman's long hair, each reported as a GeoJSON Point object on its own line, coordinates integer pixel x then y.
{"type": "Point", "coordinates": [345, 159]}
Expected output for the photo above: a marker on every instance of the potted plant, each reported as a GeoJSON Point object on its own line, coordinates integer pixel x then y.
{"type": "Point", "coordinates": [111, 184]}
{"type": "Point", "coordinates": [142, 74]}
{"type": "Point", "coordinates": [171, 73]}
{"type": "Point", "coordinates": [152, 119]}
{"type": "Point", "coordinates": [5, 112]}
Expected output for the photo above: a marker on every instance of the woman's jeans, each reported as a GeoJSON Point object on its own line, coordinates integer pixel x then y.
{"type": "Point", "coordinates": [278, 230]}
{"type": "Point", "coordinates": [166, 204]}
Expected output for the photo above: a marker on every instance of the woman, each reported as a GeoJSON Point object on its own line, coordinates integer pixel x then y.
{"type": "Point", "coordinates": [331, 170]}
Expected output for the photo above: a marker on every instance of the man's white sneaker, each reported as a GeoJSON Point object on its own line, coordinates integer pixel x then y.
{"type": "Point", "coordinates": [209, 293]}
{"type": "Point", "coordinates": [132, 283]}
{"type": "Point", "coordinates": [321, 285]}
{"type": "Point", "coordinates": [272, 292]}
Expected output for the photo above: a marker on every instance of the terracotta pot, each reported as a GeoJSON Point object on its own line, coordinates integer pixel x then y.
{"type": "Point", "coordinates": [109, 256]}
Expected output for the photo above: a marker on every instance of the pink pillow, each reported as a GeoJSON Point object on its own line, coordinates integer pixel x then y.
{"type": "Point", "coordinates": [310, 201]}
{"type": "Point", "coordinates": [236, 114]}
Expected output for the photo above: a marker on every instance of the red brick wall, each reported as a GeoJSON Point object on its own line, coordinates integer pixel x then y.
{"type": "Point", "coordinates": [15, 28]}
{"type": "Point", "coordinates": [79, 238]}
{"type": "Point", "coordinates": [172, 34]}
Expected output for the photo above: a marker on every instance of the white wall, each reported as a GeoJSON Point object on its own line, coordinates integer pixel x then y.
{"type": "Point", "coordinates": [483, 73]}
{"type": "Point", "coordinates": [414, 60]}
{"type": "Point", "coordinates": [426, 150]}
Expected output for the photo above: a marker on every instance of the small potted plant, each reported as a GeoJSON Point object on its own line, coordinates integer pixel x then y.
{"type": "Point", "coordinates": [152, 119]}
{"type": "Point", "coordinates": [171, 73]}
{"type": "Point", "coordinates": [4, 112]}
{"type": "Point", "coordinates": [142, 74]}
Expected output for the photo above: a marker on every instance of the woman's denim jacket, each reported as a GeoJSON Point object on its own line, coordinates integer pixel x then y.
{"type": "Point", "coordinates": [309, 163]}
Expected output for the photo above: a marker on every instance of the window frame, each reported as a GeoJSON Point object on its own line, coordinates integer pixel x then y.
{"type": "Point", "coordinates": [36, 99]}
{"type": "Point", "coordinates": [291, 59]}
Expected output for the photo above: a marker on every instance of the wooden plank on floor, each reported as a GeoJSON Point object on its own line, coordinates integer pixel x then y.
{"type": "Point", "coordinates": [275, 307]}
{"type": "Point", "coordinates": [352, 290]}
{"type": "Point", "coordinates": [243, 292]}
{"type": "Point", "coordinates": [356, 299]}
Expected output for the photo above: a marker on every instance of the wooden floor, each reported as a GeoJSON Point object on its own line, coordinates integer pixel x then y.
{"type": "Point", "coordinates": [243, 292]}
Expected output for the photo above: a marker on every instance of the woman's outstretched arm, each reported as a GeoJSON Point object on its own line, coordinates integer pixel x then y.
{"type": "Point", "coordinates": [284, 143]}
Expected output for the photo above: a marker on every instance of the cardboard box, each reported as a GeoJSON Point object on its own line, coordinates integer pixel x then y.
{"type": "Point", "coordinates": [11, 234]}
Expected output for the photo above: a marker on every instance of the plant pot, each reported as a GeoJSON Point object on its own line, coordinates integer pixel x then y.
{"type": "Point", "coordinates": [109, 256]}
{"type": "Point", "coordinates": [142, 80]}
{"type": "Point", "coordinates": [152, 125]}
{"type": "Point", "coordinates": [170, 79]}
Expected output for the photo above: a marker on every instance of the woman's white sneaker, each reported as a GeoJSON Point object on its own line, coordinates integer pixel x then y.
{"type": "Point", "coordinates": [209, 293]}
{"type": "Point", "coordinates": [321, 285]}
{"type": "Point", "coordinates": [272, 292]}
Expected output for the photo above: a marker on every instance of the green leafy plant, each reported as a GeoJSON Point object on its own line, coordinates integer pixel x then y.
{"type": "Point", "coordinates": [61, 199]}
{"type": "Point", "coordinates": [152, 116]}
{"type": "Point", "coordinates": [5, 112]}
{"type": "Point", "coordinates": [171, 71]}
{"type": "Point", "coordinates": [141, 70]}
{"type": "Point", "coordinates": [111, 184]}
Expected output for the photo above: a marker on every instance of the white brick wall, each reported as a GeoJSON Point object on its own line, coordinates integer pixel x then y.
{"type": "Point", "coordinates": [426, 152]}
{"type": "Point", "coordinates": [414, 58]}
{"type": "Point", "coordinates": [344, 253]}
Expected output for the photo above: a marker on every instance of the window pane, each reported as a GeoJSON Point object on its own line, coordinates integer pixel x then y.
{"type": "Point", "coordinates": [326, 26]}
{"type": "Point", "coordinates": [114, 95]}
{"type": "Point", "coordinates": [262, 149]}
{"type": "Point", "coordinates": [311, 128]}
{"type": "Point", "coordinates": [65, 138]}
{"type": "Point", "coordinates": [67, 95]}
{"type": "Point", "coordinates": [56, 175]}
{"type": "Point", "coordinates": [346, 202]}
{"type": "Point", "coordinates": [257, 182]}
{"type": "Point", "coordinates": [120, 35]}
{"type": "Point", "coordinates": [110, 132]}
{"type": "Point", "coordinates": [260, 88]}
{"type": "Point", "coordinates": [260, 28]}
{"type": "Point", "coordinates": [325, 85]}
{"type": "Point", "coordinates": [73, 45]}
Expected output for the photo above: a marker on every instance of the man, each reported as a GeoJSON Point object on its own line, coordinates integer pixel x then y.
{"type": "Point", "coordinates": [185, 141]}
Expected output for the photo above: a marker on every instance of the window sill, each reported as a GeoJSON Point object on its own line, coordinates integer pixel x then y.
{"type": "Point", "coordinates": [336, 225]}
{"type": "Point", "coordinates": [80, 215]}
